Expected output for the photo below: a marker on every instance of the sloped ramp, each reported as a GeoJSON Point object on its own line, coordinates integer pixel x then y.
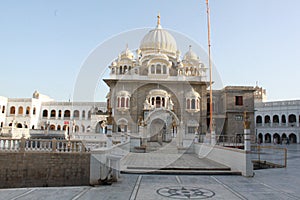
{"type": "Point", "coordinates": [155, 163]}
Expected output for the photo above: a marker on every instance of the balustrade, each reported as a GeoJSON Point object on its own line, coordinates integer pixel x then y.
{"type": "Point", "coordinates": [9, 145]}
{"type": "Point", "coordinates": [38, 145]}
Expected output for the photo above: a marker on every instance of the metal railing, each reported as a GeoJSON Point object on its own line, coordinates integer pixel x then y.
{"type": "Point", "coordinates": [230, 140]}
{"type": "Point", "coordinates": [269, 156]}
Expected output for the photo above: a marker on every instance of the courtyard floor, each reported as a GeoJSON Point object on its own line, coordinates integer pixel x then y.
{"type": "Point", "coordinates": [280, 183]}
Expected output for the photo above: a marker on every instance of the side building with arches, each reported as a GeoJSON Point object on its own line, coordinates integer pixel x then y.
{"type": "Point", "coordinates": [34, 117]}
{"type": "Point", "coordinates": [277, 122]}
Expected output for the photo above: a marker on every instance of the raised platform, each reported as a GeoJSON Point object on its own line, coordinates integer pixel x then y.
{"type": "Point", "coordinates": [157, 163]}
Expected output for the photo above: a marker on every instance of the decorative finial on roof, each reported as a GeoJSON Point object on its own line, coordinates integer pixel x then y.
{"type": "Point", "coordinates": [158, 19]}
{"type": "Point", "coordinates": [190, 47]}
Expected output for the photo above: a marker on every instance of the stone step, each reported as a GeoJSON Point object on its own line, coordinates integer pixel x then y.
{"type": "Point", "coordinates": [181, 172]}
{"type": "Point", "coordinates": [181, 168]}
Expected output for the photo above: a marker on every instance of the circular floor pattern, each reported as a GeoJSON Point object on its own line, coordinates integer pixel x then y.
{"type": "Point", "coordinates": [181, 192]}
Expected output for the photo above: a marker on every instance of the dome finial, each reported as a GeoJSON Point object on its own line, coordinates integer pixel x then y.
{"type": "Point", "coordinates": [190, 47]}
{"type": "Point", "coordinates": [158, 19]}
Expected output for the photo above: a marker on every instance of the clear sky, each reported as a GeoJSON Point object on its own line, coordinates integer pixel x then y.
{"type": "Point", "coordinates": [44, 43]}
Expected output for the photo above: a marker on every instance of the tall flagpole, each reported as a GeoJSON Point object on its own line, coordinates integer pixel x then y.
{"type": "Point", "coordinates": [210, 71]}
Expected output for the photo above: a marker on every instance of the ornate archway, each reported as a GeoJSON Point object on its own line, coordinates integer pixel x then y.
{"type": "Point", "coordinates": [161, 125]}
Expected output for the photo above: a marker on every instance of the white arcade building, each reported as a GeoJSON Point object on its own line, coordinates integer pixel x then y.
{"type": "Point", "coordinates": [41, 116]}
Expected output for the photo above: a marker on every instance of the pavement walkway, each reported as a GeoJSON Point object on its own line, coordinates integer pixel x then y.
{"type": "Point", "coordinates": [280, 183]}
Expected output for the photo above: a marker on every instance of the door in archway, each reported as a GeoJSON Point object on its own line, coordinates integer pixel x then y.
{"type": "Point", "coordinates": [157, 130]}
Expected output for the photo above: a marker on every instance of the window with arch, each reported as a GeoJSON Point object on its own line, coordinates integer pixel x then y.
{"type": "Point", "coordinates": [20, 110]}
{"type": "Point", "coordinates": [163, 102]}
{"type": "Point", "coordinates": [66, 128]}
{"type": "Point", "coordinates": [158, 69]}
{"type": "Point", "coordinates": [52, 113]}
{"type": "Point", "coordinates": [67, 114]}
{"type": "Point", "coordinates": [123, 102]}
{"type": "Point", "coordinates": [276, 119]}
{"type": "Point", "coordinates": [89, 114]}
{"type": "Point", "coordinates": [76, 114]}
{"type": "Point", "coordinates": [192, 104]}
{"type": "Point", "coordinates": [12, 110]}
{"type": "Point", "coordinates": [45, 113]}
{"type": "Point", "coordinates": [152, 69]}
{"type": "Point", "coordinates": [83, 114]}
{"type": "Point", "coordinates": [34, 111]}
{"type": "Point", "coordinates": [292, 118]}
{"type": "Point", "coordinates": [127, 103]}
{"type": "Point", "coordinates": [157, 102]}
{"type": "Point", "coordinates": [52, 127]}
{"type": "Point", "coordinates": [27, 110]}
{"type": "Point", "coordinates": [267, 119]}
{"type": "Point", "coordinates": [59, 113]}
{"type": "Point", "coordinates": [3, 109]}
{"type": "Point", "coordinates": [76, 128]}
{"type": "Point", "coordinates": [164, 69]}
{"type": "Point", "coordinates": [258, 119]}
{"type": "Point", "coordinates": [58, 127]}
{"type": "Point", "coordinates": [188, 104]}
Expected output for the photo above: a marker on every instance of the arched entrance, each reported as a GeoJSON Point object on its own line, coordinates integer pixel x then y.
{"type": "Point", "coordinates": [268, 138]}
{"type": "Point", "coordinates": [52, 127]}
{"type": "Point", "coordinates": [101, 127]}
{"type": "Point", "coordinates": [161, 125]}
{"type": "Point", "coordinates": [283, 138]}
{"type": "Point", "coordinates": [157, 130]}
{"type": "Point", "coordinates": [293, 138]}
{"type": "Point", "coordinates": [276, 138]}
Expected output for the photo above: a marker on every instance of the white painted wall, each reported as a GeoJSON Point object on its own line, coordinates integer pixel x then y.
{"type": "Point", "coordinates": [236, 159]}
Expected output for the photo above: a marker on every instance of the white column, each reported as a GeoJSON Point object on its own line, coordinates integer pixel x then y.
{"type": "Point", "coordinates": [180, 135]}
{"type": "Point", "coordinates": [213, 138]}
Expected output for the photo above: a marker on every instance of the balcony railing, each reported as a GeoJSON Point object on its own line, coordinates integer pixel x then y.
{"type": "Point", "coordinates": [277, 125]}
{"type": "Point", "coordinates": [230, 140]}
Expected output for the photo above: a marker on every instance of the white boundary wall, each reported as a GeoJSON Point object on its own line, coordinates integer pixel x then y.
{"type": "Point", "coordinates": [236, 159]}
